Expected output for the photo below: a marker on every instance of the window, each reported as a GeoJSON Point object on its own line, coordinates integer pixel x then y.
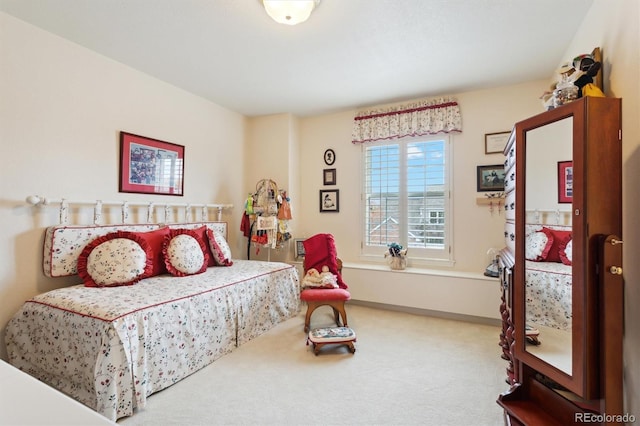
{"type": "Point", "coordinates": [406, 197]}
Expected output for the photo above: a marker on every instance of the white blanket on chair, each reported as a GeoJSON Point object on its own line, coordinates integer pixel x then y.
{"type": "Point", "coordinates": [315, 279]}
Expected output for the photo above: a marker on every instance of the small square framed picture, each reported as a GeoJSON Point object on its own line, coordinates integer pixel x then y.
{"type": "Point", "coordinates": [299, 248]}
{"type": "Point", "coordinates": [329, 176]}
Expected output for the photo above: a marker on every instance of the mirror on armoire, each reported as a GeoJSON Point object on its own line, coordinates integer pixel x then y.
{"type": "Point", "coordinates": [552, 300]}
{"type": "Point", "coordinates": [548, 246]}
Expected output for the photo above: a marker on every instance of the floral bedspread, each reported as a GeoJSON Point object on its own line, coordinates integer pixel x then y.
{"type": "Point", "coordinates": [110, 348]}
{"type": "Point", "coordinates": [548, 294]}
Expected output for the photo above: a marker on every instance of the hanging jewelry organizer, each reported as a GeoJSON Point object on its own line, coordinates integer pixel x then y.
{"type": "Point", "coordinates": [269, 213]}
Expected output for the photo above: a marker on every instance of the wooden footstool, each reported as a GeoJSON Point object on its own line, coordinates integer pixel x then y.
{"type": "Point", "coordinates": [332, 336]}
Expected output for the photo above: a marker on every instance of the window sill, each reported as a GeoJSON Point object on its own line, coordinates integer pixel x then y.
{"type": "Point", "coordinates": [416, 263]}
{"type": "Point", "coordinates": [419, 271]}
{"type": "Point", "coordinates": [412, 270]}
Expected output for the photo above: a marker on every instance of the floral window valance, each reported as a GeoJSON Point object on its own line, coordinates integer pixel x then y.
{"type": "Point", "coordinates": [416, 119]}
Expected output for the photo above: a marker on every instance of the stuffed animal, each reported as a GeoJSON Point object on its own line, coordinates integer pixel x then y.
{"type": "Point", "coordinates": [315, 279]}
{"type": "Point", "coordinates": [576, 81]}
{"type": "Point", "coordinates": [586, 69]}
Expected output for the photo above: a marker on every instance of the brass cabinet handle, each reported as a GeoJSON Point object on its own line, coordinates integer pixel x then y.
{"type": "Point", "coordinates": [616, 270]}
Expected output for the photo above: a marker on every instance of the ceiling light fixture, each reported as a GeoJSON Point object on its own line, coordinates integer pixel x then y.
{"type": "Point", "coordinates": [290, 12]}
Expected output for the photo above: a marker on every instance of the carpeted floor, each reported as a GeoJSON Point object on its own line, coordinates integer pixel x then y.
{"type": "Point", "coordinates": [407, 370]}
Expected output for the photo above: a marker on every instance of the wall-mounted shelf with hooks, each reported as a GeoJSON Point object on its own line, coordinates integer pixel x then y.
{"type": "Point", "coordinates": [486, 201]}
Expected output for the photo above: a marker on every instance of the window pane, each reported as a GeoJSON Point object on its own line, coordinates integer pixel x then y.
{"type": "Point", "coordinates": [382, 194]}
{"type": "Point", "coordinates": [406, 197]}
{"type": "Point", "coordinates": [425, 194]}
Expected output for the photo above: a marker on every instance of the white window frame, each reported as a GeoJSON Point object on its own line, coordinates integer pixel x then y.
{"type": "Point", "coordinates": [417, 257]}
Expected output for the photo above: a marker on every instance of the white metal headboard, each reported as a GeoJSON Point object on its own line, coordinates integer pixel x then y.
{"type": "Point", "coordinates": [549, 217]}
{"type": "Point", "coordinates": [65, 204]}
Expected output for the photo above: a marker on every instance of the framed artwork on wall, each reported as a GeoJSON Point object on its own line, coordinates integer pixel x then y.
{"type": "Point", "coordinates": [565, 182]}
{"type": "Point", "coordinates": [490, 178]}
{"type": "Point", "coordinates": [329, 200]}
{"type": "Point", "coordinates": [494, 143]}
{"type": "Point", "coordinates": [299, 248]}
{"type": "Point", "coordinates": [329, 157]}
{"type": "Point", "coordinates": [329, 176]}
{"type": "Point", "coordinates": [150, 166]}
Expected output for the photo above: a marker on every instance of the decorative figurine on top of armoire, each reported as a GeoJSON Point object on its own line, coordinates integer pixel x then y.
{"type": "Point", "coordinates": [580, 77]}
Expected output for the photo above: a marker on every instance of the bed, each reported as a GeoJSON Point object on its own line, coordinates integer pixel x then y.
{"type": "Point", "coordinates": [111, 347]}
{"type": "Point", "coordinates": [548, 275]}
{"type": "Point", "coordinates": [549, 294]}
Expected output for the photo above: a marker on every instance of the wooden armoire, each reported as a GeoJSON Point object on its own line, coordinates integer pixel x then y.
{"type": "Point", "coordinates": [561, 270]}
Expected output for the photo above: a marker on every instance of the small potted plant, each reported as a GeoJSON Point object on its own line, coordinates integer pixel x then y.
{"type": "Point", "coordinates": [397, 256]}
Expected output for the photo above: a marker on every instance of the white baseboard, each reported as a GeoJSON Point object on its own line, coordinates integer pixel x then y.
{"type": "Point", "coordinates": [462, 295]}
{"type": "Point", "coordinates": [429, 313]}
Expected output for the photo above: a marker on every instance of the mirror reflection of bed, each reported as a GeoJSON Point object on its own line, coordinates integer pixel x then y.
{"type": "Point", "coordinates": [548, 288]}
{"type": "Point", "coordinates": [548, 271]}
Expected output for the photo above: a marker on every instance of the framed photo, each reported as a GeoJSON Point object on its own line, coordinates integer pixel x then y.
{"type": "Point", "coordinates": [565, 182]}
{"type": "Point", "coordinates": [491, 178]}
{"type": "Point", "coordinates": [150, 166]}
{"type": "Point", "coordinates": [299, 248]}
{"type": "Point", "coordinates": [329, 200]}
{"type": "Point", "coordinates": [329, 176]}
{"type": "Point", "coordinates": [329, 157]}
{"type": "Point", "coordinates": [495, 143]}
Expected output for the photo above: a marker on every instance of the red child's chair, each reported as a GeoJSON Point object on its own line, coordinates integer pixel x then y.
{"type": "Point", "coordinates": [320, 250]}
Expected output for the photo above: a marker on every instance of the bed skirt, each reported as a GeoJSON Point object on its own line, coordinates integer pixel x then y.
{"type": "Point", "coordinates": [110, 348]}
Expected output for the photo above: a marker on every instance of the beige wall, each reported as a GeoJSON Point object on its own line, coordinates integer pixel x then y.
{"type": "Point", "coordinates": [614, 27]}
{"type": "Point", "coordinates": [460, 289]}
{"type": "Point", "coordinates": [61, 108]}
{"type": "Point", "coordinates": [273, 144]}
{"type": "Point", "coordinates": [476, 229]}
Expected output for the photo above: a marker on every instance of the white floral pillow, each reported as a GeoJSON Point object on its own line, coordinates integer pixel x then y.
{"type": "Point", "coordinates": [185, 253]}
{"type": "Point", "coordinates": [537, 246]}
{"type": "Point", "coordinates": [219, 248]}
{"type": "Point", "coordinates": [116, 259]}
{"type": "Point", "coordinates": [530, 229]}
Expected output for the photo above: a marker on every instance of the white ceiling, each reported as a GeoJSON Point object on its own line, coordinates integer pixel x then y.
{"type": "Point", "coordinates": [349, 54]}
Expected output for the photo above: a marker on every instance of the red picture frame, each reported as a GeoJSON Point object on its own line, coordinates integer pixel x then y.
{"type": "Point", "coordinates": [565, 182]}
{"type": "Point", "coordinates": [150, 166]}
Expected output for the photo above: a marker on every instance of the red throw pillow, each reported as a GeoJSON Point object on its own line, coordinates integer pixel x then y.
{"type": "Point", "coordinates": [202, 233]}
{"type": "Point", "coordinates": [566, 251]}
{"type": "Point", "coordinates": [155, 239]}
{"type": "Point", "coordinates": [560, 238]}
{"type": "Point", "coordinates": [320, 250]}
